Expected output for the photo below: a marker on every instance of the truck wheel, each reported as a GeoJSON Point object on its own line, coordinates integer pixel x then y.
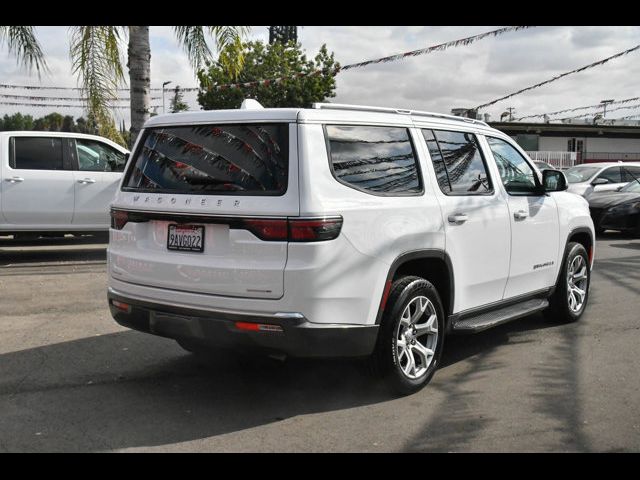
{"type": "Point", "coordinates": [570, 298]}
{"type": "Point", "coordinates": [411, 336]}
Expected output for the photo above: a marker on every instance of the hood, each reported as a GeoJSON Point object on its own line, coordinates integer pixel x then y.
{"type": "Point", "coordinates": [611, 199]}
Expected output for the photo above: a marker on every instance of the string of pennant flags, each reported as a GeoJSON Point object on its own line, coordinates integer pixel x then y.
{"type": "Point", "coordinates": [47, 98]}
{"type": "Point", "coordinates": [558, 77]}
{"type": "Point", "coordinates": [266, 82]}
{"type": "Point", "coordinates": [637, 105]}
{"type": "Point", "coordinates": [61, 105]}
{"type": "Point", "coordinates": [391, 58]}
{"type": "Point", "coordinates": [598, 105]}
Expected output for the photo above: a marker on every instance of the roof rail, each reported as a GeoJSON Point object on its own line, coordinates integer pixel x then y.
{"type": "Point", "coordinates": [365, 108]}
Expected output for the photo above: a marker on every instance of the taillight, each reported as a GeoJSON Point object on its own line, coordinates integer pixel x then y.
{"type": "Point", "coordinates": [314, 230]}
{"type": "Point", "coordinates": [294, 230]}
{"type": "Point", "coordinates": [119, 219]}
{"type": "Point", "coordinates": [274, 230]}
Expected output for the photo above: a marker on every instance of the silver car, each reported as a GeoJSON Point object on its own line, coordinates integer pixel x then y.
{"type": "Point", "coordinates": [588, 178]}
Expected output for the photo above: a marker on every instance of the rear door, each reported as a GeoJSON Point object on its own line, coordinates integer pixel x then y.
{"type": "Point", "coordinates": [478, 238]}
{"type": "Point", "coordinates": [98, 171]}
{"type": "Point", "coordinates": [207, 205]}
{"type": "Point", "coordinates": [37, 187]}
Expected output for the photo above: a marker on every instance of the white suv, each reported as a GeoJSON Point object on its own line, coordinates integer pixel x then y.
{"type": "Point", "coordinates": [340, 231]}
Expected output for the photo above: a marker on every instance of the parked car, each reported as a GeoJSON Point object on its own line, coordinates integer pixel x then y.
{"type": "Point", "coordinates": [543, 165]}
{"type": "Point", "coordinates": [588, 178]}
{"type": "Point", "coordinates": [55, 182]}
{"type": "Point", "coordinates": [619, 210]}
{"type": "Point", "coordinates": [340, 231]}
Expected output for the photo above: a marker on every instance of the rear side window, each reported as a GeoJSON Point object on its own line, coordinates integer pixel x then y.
{"type": "Point", "coordinates": [630, 174]}
{"type": "Point", "coordinates": [247, 159]}
{"type": "Point", "coordinates": [377, 160]}
{"type": "Point", "coordinates": [611, 174]}
{"type": "Point", "coordinates": [36, 153]}
{"type": "Point", "coordinates": [458, 162]}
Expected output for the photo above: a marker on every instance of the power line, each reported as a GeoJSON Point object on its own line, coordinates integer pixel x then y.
{"type": "Point", "coordinates": [599, 105]}
{"type": "Point", "coordinates": [557, 77]}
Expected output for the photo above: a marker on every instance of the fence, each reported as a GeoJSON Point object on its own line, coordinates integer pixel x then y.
{"type": "Point", "coordinates": [557, 159]}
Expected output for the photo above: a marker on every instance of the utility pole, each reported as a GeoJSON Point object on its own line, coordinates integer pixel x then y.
{"type": "Point", "coordinates": [164, 85]}
{"type": "Point", "coordinates": [604, 104]}
{"type": "Point", "coordinates": [511, 110]}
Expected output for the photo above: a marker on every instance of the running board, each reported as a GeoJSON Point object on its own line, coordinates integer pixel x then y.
{"type": "Point", "coordinates": [482, 321]}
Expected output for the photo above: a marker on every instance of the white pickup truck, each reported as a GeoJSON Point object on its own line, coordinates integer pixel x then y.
{"type": "Point", "coordinates": [57, 182]}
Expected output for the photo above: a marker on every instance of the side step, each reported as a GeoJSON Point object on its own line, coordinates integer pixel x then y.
{"type": "Point", "coordinates": [482, 321]}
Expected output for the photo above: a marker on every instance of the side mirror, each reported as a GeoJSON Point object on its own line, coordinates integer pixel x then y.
{"type": "Point", "coordinates": [619, 188]}
{"type": "Point", "coordinates": [554, 181]}
{"type": "Point", "coordinates": [599, 181]}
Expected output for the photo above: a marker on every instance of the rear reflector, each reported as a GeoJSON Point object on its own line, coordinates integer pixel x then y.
{"type": "Point", "coordinates": [125, 307]}
{"type": "Point", "coordinates": [385, 295]}
{"type": "Point", "coordinates": [258, 327]}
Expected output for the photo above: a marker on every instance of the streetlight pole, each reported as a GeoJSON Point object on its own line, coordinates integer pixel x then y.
{"type": "Point", "coordinates": [164, 85]}
{"type": "Point", "coordinates": [604, 104]}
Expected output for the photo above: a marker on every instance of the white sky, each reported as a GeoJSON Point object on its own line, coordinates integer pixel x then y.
{"type": "Point", "coordinates": [458, 77]}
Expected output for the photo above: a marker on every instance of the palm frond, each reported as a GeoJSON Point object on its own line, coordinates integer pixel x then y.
{"type": "Point", "coordinates": [22, 42]}
{"type": "Point", "coordinates": [228, 40]}
{"type": "Point", "coordinates": [97, 60]}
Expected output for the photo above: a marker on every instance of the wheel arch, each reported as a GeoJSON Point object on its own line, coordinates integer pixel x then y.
{"type": "Point", "coordinates": [433, 265]}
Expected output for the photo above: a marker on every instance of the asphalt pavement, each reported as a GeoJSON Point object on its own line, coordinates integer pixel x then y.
{"type": "Point", "coordinates": [71, 379]}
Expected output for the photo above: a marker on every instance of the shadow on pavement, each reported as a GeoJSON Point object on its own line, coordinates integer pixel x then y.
{"type": "Point", "coordinates": [128, 389]}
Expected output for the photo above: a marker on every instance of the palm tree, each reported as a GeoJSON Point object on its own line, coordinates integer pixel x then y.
{"type": "Point", "coordinates": [97, 60]}
{"type": "Point", "coordinates": [23, 43]}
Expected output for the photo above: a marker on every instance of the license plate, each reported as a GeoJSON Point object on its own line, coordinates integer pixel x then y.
{"type": "Point", "coordinates": [189, 238]}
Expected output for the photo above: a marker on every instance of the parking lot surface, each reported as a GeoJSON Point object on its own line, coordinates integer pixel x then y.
{"type": "Point", "coordinates": [71, 379]}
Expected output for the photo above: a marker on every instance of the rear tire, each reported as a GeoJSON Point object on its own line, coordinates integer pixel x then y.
{"type": "Point", "coordinates": [568, 302]}
{"type": "Point", "coordinates": [411, 337]}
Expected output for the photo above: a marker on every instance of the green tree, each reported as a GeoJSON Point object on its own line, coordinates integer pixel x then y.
{"type": "Point", "coordinates": [17, 121]}
{"type": "Point", "coordinates": [96, 53]}
{"type": "Point", "coordinates": [68, 125]}
{"type": "Point", "coordinates": [54, 121]}
{"type": "Point", "coordinates": [177, 103]}
{"type": "Point", "coordinates": [264, 62]}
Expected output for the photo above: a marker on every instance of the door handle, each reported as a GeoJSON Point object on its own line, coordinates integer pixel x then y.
{"type": "Point", "coordinates": [15, 179]}
{"type": "Point", "coordinates": [87, 180]}
{"type": "Point", "coordinates": [520, 215]}
{"type": "Point", "coordinates": [458, 218]}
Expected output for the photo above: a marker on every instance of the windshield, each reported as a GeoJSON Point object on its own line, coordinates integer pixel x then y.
{"type": "Point", "coordinates": [631, 187]}
{"type": "Point", "coordinates": [580, 174]}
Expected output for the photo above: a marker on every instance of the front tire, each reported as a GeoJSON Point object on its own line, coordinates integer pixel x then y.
{"type": "Point", "coordinates": [411, 336]}
{"type": "Point", "coordinates": [572, 291]}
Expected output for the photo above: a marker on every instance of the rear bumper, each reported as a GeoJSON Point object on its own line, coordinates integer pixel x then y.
{"type": "Point", "coordinates": [296, 336]}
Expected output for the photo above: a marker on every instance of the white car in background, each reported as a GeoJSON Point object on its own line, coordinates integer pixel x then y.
{"type": "Point", "coordinates": [57, 182]}
{"type": "Point", "coordinates": [588, 178]}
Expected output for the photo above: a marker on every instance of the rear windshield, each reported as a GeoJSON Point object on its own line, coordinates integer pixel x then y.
{"type": "Point", "coordinates": [247, 159]}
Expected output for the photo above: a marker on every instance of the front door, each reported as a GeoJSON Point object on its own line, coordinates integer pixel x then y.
{"type": "Point", "coordinates": [534, 222]}
{"type": "Point", "coordinates": [476, 218]}
{"type": "Point", "coordinates": [98, 174]}
{"type": "Point", "coordinates": [37, 187]}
